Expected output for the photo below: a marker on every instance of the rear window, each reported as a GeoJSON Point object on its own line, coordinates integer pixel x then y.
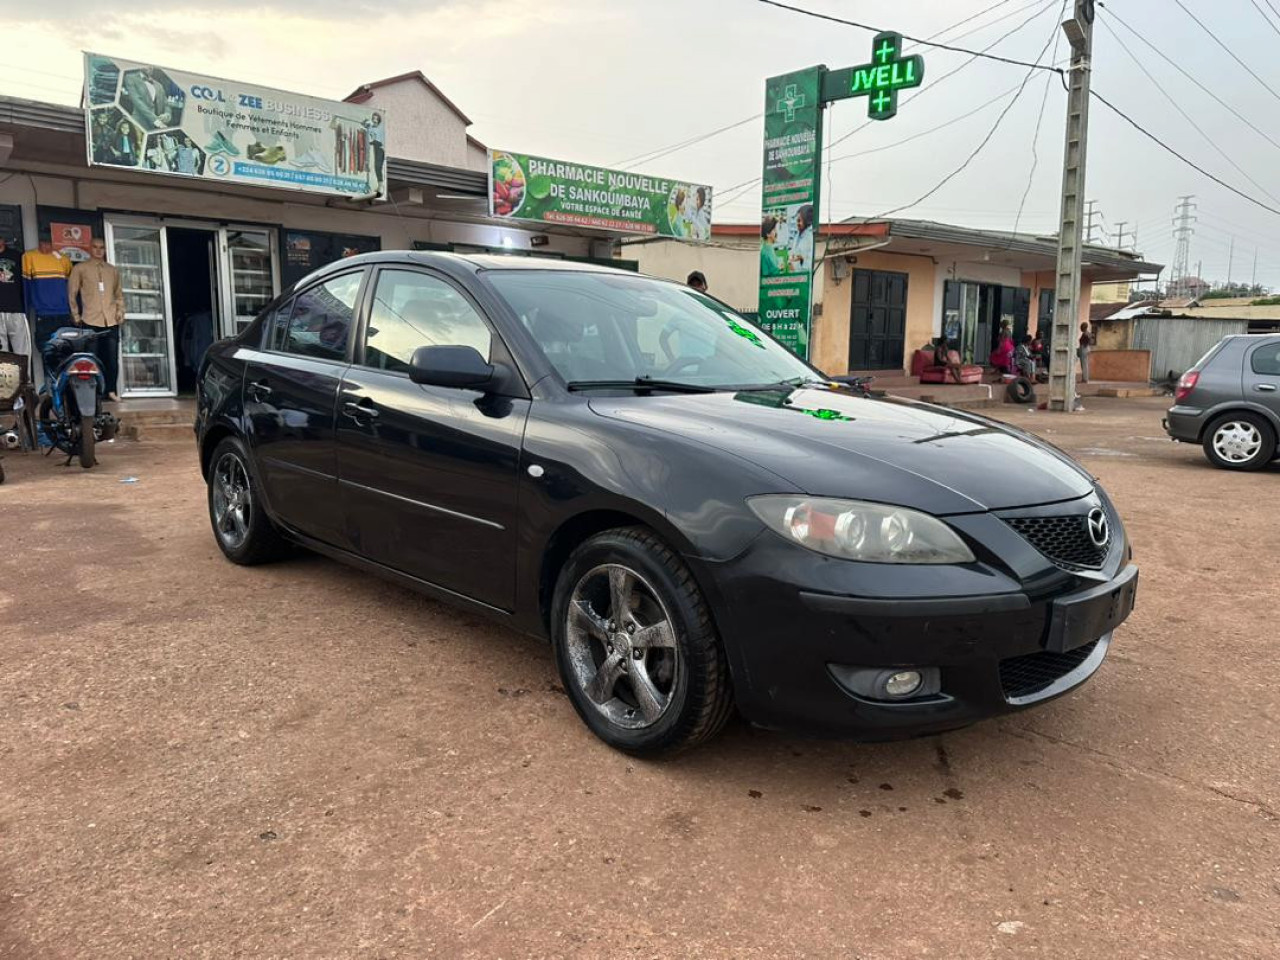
{"type": "Point", "coordinates": [1203, 361]}
{"type": "Point", "coordinates": [1266, 359]}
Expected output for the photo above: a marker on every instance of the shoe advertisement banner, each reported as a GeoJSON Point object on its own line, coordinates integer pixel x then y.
{"type": "Point", "coordinates": [159, 120]}
{"type": "Point", "coordinates": [788, 222]}
{"type": "Point", "coordinates": [522, 187]}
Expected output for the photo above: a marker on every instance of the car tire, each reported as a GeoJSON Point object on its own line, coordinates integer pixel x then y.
{"type": "Point", "coordinates": [1240, 441]}
{"type": "Point", "coordinates": [241, 527]}
{"type": "Point", "coordinates": [654, 680]}
{"type": "Point", "coordinates": [1021, 391]}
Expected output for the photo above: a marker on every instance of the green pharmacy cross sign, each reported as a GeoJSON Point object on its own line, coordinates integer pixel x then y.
{"type": "Point", "coordinates": [880, 80]}
{"type": "Point", "coordinates": [791, 185]}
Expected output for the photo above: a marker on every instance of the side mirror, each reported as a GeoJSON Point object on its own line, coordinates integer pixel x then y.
{"type": "Point", "coordinates": [451, 367]}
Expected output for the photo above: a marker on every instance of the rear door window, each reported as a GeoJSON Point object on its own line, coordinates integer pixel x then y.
{"type": "Point", "coordinates": [322, 318]}
{"type": "Point", "coordinates": [1266, 359]}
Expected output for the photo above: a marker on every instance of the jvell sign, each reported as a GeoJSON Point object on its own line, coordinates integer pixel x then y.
{"type": "Point", "coordinates": [524, 187]}
{"type": "Point", "coordinates": [183, 124]}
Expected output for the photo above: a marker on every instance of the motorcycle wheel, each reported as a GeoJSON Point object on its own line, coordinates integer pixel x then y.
{"type": "Point", "coordinates": [87, 443]}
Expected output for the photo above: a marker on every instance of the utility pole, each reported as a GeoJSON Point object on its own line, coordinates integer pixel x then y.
{"type": "Point", "coordinates": [1231, 259]}
{"type": "Point", "coordinates": [1254, 284]}
{"type": "Point", "coordinates": [1066, 304]}
{"type": "Point", "coordinates": [1199, 279]}
{"type": "Point", "coordinates": [1091, 212]}
{"type": "Point", "coordinates": [1182, 232]}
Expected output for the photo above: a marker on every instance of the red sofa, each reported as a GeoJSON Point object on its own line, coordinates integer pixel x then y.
{"type": "Point", "coordinates": [922, 366]}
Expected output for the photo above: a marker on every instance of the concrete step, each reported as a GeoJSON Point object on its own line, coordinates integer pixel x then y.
{"type": "Point", "coordinates": [157, 432]}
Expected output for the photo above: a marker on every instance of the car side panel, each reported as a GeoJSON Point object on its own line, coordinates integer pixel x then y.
{"type": "Point", "coordinates": [588, 463]}
{"type": "Point", "coordinates": [1225, 386]}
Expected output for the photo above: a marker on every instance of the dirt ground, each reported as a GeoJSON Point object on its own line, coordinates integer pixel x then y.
{"type": "Point", "coordinates": [200, 760]}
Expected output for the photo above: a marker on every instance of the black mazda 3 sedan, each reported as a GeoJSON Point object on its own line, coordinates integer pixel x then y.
{"type": "Point", "coordinates": [696, 519]}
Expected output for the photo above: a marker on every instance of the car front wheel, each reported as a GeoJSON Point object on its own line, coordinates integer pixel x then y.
{"type": "Point", "coordinates": [636, 647]}
{"type": "Point", "coordinates": [243, 531]}
{"type": "Point", "coordinates": [1240, 441]}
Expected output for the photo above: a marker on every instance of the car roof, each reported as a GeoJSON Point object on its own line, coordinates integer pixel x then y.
{"type": "Point", "coordinates": [474, 262]}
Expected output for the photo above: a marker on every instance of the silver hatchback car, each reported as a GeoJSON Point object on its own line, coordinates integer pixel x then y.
{"type": "Point", "coordinates": [1229, 403]}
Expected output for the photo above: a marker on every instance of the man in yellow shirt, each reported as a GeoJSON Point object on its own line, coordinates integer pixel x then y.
{"type": "Point", "coordinates": [97, 301]}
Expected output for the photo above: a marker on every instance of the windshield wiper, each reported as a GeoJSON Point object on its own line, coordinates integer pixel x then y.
{"type": "Point", "coordinates": [794, 383]}
{"type": "Point", "coordinates": [640, 383]}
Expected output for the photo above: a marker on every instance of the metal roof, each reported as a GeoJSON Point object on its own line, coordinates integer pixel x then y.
{"type": "Point", "coordinates": [1007, 240]}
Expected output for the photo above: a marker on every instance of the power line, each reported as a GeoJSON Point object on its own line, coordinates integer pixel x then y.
{"type": "Point", "coordinates": [985, 140]}
{"type": "Point", "coordinates": [681, 145]}
{"type": "Point", "coordinates": [1043, 6]}
{"type": "Point", "coordinates": [664, 151]}
{"type": "Point", "coordinates": [1231, 52]}
{"type": "Point", "coordinates": [1262, 13]}
{"type": "Point", "coordinates": [1177, 66]}
{"type": "Point", "coordinates": [1035, 137]}
{"type": "Point", "coordinates": [1186, 116]}
{"type": "Point", "coordinates": [1273, 7]}
{"type": "Point", "coordinates": [1192, 164]}
{"type": "Point", "coordinates": [925, 43]}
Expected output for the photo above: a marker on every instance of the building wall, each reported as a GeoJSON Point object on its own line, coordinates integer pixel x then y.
{"type": "Point", "coordinates": [830, 351]}
{"type": "Point", "coordinates": [420, 126]}
{"type": "Point", "coordinates": [477, 157]}
{"type": "Point", "coordinates": [1044, 280]}
{"type": "Point", "coordinates": [732, 268]}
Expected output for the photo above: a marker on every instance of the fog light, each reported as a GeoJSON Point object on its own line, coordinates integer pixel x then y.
{"type": "Point", "coordinates": [903, 684]}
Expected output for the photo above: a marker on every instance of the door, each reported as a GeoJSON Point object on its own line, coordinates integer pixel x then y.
{"type": "Point", "coordinates": [253, 275]}
{"type": "Point", "coordinates": [290, 392]}
{"type": "Point", "coordinates": [1262, 376]}
{"type": "Point", "coordinates": [878, 325]}
{"type": "Point", "coordinates": [138, 250]}
{"type": "Point", "coordinates": [429, 474]}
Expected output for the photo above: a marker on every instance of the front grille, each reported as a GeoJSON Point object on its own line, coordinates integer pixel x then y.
{"type": "Point", "coordinates": [1064, 540]}
{"type": "Point", "coordinates": [1029, 674]}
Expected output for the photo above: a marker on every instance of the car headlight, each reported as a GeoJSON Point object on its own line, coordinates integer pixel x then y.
{"type": "Point", "coordinates": [853, 530]}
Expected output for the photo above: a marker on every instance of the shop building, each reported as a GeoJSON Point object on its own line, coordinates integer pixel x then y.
{"type": "Point", "coordinates": [887, 288]}
{"type": "Point", "coordinates": [199, 258]}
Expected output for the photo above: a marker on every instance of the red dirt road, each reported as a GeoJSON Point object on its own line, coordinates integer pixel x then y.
{"type": "Point", "coordinates": [200, 760]}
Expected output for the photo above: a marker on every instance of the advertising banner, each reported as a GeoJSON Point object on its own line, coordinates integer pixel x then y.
{"type": "Point", "coordinates": [72, 240]}
{"type": "Point", "coordinates": [788, 221]}
{"type": "Point", "coordinates": [522, 187]}
{"type": "Point", "coordinates": [182, 124]}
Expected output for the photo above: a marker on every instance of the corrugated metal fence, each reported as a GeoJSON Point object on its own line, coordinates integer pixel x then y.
{"type": "Point", "coordinates": [1178, 342]}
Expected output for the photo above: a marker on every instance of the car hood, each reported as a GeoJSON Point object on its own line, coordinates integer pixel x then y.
{"type": "Point", "coordinates": [831, 443]}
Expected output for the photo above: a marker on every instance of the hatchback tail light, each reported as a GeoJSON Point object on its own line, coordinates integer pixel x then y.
{"type": "Point", "coordinates": [84, 369]}
{"type": "Point", "coordinates": [1186, 385]}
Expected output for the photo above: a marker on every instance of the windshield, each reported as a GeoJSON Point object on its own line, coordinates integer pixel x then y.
{"type": "Point", "coordinates": [607, 327]}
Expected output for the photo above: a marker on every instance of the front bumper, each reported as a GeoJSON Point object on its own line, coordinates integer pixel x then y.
{"type": "Point", "coordinates": [998, 648]}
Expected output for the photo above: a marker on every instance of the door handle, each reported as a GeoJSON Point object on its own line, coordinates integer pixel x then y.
{"type": "Point", "coordinates": [258, 390]}
{"type": "Point", "coordinates": [357, 410]}
{"type": "Point", "coordinates": [1265, 387]}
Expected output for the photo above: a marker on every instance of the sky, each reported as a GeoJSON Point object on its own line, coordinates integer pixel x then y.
{"type": "Point", "coordinates": [608, 81]}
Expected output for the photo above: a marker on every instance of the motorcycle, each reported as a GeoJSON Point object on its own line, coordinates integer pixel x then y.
{"type": "Point", "coordinates": [71, 418]}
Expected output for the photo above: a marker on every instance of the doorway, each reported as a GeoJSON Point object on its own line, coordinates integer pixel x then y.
{"type": "Point", "coordinates": [193, 285]}
{"type": "Point", "coordinates": [981, 311]}
{"type": "Point", "coordinates": [878, 322]}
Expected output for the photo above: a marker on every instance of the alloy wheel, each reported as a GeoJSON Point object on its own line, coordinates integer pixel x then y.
{"type": "Point", "coordinates": [232, 501]}
{"type": "Point", "coordinates": [622, 646]}
{"type": "Point", "coordinates": [1237, 441]}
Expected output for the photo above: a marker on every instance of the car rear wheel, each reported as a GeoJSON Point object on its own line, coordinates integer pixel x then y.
{"type": "Point", "coordinates": [243, 531]}
{"type": "Point", "coordinates": [1240, 441]}
{"type": "Point", "coordinates": [635, 645]}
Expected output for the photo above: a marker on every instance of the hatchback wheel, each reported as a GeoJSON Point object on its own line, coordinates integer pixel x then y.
{"type": "Point", "coordinates": [243, 531]}
{"type": "Point", "coordinates": [1240, 441]}
{"type": "Point", "coordinates": [636, 647]}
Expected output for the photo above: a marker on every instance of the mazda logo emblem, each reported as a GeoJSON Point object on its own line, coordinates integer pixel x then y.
{"type": "Point", "coordinates": [1099, 529]}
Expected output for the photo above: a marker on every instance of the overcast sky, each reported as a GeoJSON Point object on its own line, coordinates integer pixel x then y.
{"type": "Point", "coordinates": [604, 82]}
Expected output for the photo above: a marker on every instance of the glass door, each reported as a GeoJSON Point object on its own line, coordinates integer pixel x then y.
{"type": "Point", "coordinates": [146, 347]}
{"type": "Point", "coordinates": [249, 255]}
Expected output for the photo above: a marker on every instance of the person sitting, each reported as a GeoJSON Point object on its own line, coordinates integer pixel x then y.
{"type": "Point", "coordinates": [1037, 351]}
{"type": "Point", "coordinates": [944, 356]}
{"type": "Point", "coordinates": [1023, 361]}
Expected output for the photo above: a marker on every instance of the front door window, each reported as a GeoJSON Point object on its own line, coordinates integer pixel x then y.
{"type": "Point", "coordinates": [144, 338]}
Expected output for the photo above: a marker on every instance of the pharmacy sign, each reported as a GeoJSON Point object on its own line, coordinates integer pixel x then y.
{"type": "Point", "coordinates": [792, 175]}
